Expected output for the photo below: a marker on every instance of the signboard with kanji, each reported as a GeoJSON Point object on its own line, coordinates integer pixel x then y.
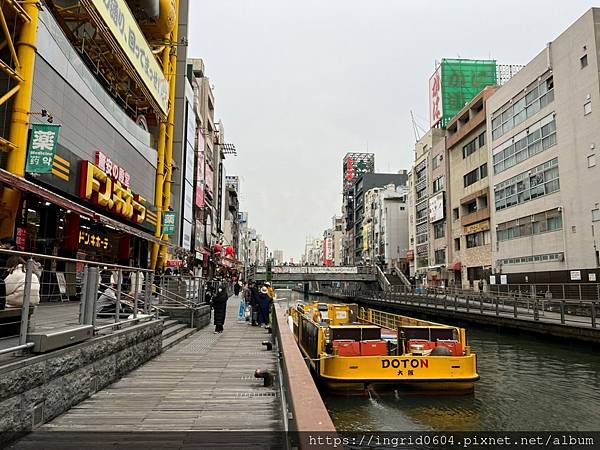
{"type": "Point", "coordinates": [168, 227]}
{"type": "Point", "coordinates": [42, 147]}
{"type": "Point", "coordinates": [455, 83]}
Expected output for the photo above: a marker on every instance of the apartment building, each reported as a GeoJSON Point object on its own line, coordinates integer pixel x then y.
{"type": "Point", "coordinates": [420, 186]}
{"type": "Point", "coordinates": [468, 194]}
{"type": "Point", "coordinates": [543, 130]}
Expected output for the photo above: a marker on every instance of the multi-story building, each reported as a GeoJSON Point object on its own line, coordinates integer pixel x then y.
{"type": "Point", "coordinates": [543, 130]}
{"type": "Point", "coordinates": [278, 257]}
{"type": "Point", "coordinates": [313, 252]}
{"type": "Point", "coordinates": [468, 194]}
{"type": "Point", "coordinates": [95, 117]}
{"type": "Point", "coordinates": [390, 228]}
{"type": "Point", "coordinates": [420, 186]}
{"type": "Point", "coordinates": [362, 185]}
{"type": "Point", "coordinates": [338, 240]}
{"type": "Point", "coordinates": [354, 166]}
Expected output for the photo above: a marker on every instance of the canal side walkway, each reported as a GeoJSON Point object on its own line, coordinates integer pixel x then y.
{"type": "Point", "coordinates": [204, 383]}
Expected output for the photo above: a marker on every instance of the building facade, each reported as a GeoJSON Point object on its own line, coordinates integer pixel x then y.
{"type": "Point", "coordinates": [469, 193]}
{"type": "Point", "coordinates": [543, 132]}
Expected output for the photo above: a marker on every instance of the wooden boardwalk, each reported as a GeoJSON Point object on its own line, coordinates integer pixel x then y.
{"type": "Point", "coordinates": [204, 383]}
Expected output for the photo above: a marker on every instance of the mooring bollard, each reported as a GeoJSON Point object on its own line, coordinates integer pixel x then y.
{"type": "Point", "coordinates": [265, 375]}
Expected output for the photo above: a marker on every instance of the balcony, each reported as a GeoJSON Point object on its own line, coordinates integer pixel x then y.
{"type": "Point", "coordinates": [477, 216]}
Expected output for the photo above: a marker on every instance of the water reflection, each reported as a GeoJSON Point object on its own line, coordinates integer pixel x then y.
{"type": "Point", "coordinates": [527, 384]}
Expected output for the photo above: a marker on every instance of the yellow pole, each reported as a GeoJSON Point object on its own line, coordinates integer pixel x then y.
{"type": "Point", "coordinates": [160, 167]}
{"type": "Point", "coordinates": [20, 113]}
{"type": "Point", "coordinates": [165, 145]}
{"type": "Point", "coordinates": [170, 126]}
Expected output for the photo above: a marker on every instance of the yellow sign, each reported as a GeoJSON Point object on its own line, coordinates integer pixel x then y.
{"type": "Point", "coordinates": [99, 188]}
{"type": "Point", "coordinates": [366, 237]}
{"type": "Point", "coordinates": [93, 240]}
{"type": "Point", "coordinates": [124, 28]}
{"type": "Point", "coordinates": [479, 226]}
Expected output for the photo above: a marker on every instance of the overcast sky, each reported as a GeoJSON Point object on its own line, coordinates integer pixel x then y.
{"type": "Point", "coordinates": [298, 84]}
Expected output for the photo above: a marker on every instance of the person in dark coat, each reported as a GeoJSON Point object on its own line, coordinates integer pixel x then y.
{"type": "Point", "coordinates": [264, 306]}
{"type": "Point", "coordinates": [219, 304]}
{"type": "Point", "coordinates": [254, 296]}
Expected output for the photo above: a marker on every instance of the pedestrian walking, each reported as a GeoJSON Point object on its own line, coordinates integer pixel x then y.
{"type": "Point", "coordinates": [264, 306]}
{"type": "Point", "coordinates": [219, 304]}
{"type": "Point", "coordinates": [254, 296]}
{"type": "Point", "coordinates": [237, 287]}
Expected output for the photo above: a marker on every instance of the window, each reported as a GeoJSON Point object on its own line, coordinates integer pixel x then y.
{"type": "Point", "coordinates": [455, 213]}
{"type": "Point", "coordinates": [549, 257]}
{"type": "Point", "coordinates": [436, 161]}
{"type": "Point", "coordinates": [483, 171]}
{"type": "Point", "coordinates": [539, 181]}
{"type": "Point", "coordinates": [481, 139]}
{"type": "Point", "coordinates": [439, 230]}
{"type": "Point", "coordinates": [457, 244]}
{"type": "Point", "coordinates": [440, 256]}
{"type": "Point", "coordinates": [583, 61]}
{"type": "Point", "coordinates": [538, 137]}
{"type": "Point", "coordinates": [471, 177]}
{"type": "Point", "coordinates": [532, 225]}
{"type": "Point", "coordinates": [471, 207]}
{"type": "Point", "coordinates": [595, 215]}
{"type": "Point", "coordinates": [438, 184]}
{"type": "Point", "coordinates": [539, 94]}
{"type": "Point", "coordinates": [478, 239]}
{"type": "Point", "coordinates": [587, 108]}
{"type": "Point", "coordinates": [470, 148]}
{"type": "Point", "coordinates": [591, 160]}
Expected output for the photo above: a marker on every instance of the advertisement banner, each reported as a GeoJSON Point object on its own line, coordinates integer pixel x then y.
{"type": "Point", "coordinates": [436, 208]}
{"type": "Point", "coordinates": [168, 226]}
{"type": "Point", "coordinates": [435, 97]}
{"type": "Point", "coordinates": [125, 30]}
{"type": "Point", "coordinates": [208, 182]}
{"type": "Point", "coordinates": [42, 148]}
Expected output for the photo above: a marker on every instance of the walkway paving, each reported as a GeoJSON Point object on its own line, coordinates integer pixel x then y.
{"type": "Point", "coordinates": [205, 383]}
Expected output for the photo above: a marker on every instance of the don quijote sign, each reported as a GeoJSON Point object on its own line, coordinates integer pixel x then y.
{"type": "Point", "coordinates": [106, 184]}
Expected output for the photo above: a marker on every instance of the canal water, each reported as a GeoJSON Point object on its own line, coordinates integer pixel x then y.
{"type": "Point", "coordinates": [527, 384]}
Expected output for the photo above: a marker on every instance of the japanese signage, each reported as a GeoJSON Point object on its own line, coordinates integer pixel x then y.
{"type": "Point", "coordinates": [125, 30]}
{"type": "Point", "coordinates": [355, 165]}
{"type": "Point", "coordinates": [101, 188]}
{"type": "Point", "coordinates": [168, 225]}
{"type": "Point", "coordinates": [435, 97]}
{"type": "Point", "coordinates": [208, 182]}
{"type": "Point", "coordinates": [108, 166]}
{"type": "Point", "coordinates": [479, 226]}
{"type": "Point", "coordinates": [575, 275]}
{"type": "Point", "coordinates": [436, 208]}
{"type": "Point", "coordinates": [42, 147]}
{"type": "Point", "coordinates": [454, 83]}
{"type": "Point", "coordinates": [94, 240]}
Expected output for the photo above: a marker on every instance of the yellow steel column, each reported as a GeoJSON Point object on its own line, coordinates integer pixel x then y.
{"type": "Point", "coordinates": [170, 126]}
{"type": "Point", "coordinates": [160, 166]}
{"type": "Point", "coordinates": [165, 144]}
{"type": "Point", "coordinates": [20, 112]}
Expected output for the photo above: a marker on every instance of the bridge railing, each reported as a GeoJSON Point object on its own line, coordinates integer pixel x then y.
{"type": "Point", "coordinates": [325, 270]}
{"type": "Point", "coordinates": [563, 311]}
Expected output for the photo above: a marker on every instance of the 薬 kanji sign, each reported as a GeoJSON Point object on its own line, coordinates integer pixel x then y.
{"type": "Point", "coordinates": [168, 226]}
{"type": "Point", "coordinates": [42, 147]}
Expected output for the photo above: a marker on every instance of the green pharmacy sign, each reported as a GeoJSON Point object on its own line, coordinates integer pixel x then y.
{"type": "Point", "coordinates": [455, 83]}
{"type": "Point", "coordinates": [168, 225]}
{"type": "Point", "coordinates": [42, 147]}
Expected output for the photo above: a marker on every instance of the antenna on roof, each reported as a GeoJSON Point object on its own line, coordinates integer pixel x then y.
{"type": "Point", "coordinates": [415, 127]}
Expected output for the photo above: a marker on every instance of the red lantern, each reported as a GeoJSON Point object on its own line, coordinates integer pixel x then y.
{"type": "Point", "coordinates": [229, 251]}
{"type": "Point", "coordinates": [218, 248]}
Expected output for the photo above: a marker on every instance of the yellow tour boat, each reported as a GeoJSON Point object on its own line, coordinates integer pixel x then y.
{"type": "Point", "coordinates": [352, 348]}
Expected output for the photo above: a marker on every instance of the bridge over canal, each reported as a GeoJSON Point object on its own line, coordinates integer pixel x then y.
{"type": "Point", "coordinates": [318, 273]}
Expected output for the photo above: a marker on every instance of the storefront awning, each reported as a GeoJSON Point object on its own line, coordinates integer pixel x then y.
{"type": "Point", "coordinates": [23, 185]}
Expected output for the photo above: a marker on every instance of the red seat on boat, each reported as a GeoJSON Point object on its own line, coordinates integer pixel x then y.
{"type": "Point", "coordinates": [374, 348]}
{"type": "Point", "coordinates": [346, 347]}
{"type": "Point", "coordinates": [454, 346]}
